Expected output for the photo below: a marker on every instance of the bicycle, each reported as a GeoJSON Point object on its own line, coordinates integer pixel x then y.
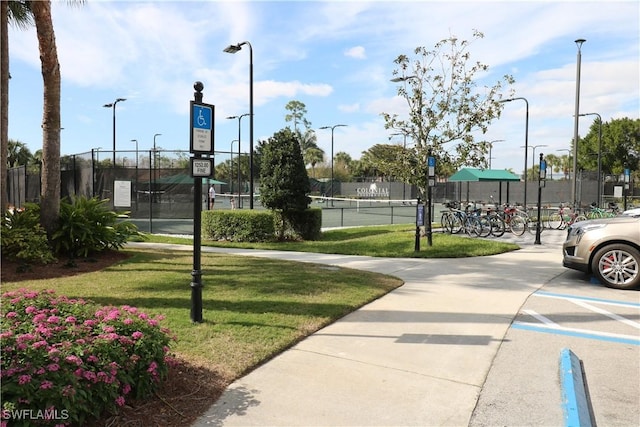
{"type": "Point", "coordinates": [513, 220]}
{"type": "Point", "coordinates": [564, 217]}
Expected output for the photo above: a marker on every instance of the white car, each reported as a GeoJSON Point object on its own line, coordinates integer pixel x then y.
{"type": "Point", "coordinates": [632, 212]}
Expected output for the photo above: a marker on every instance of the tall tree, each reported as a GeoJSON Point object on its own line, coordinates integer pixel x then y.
{"type": "Point", "coordinates": [297, 111]}
{"type": "Point", "coordinates": [620, 146]}
{"type": "Point", "coordinates": [445, 105]}
{"type": "Point", "coordinates": [16, 13]}
{"type": "Point", "coordinates": [50, 193]}
{"type": "Point", "coordinates": [284, 182]}
{"type": "Point", "coordinates": [18, 154]}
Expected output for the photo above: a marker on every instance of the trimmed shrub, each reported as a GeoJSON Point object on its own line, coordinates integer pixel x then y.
{"type": "Point", "coordinates": [238, 225]}
{"type": "Point", "coordinates": [72, 361]}
{"type": "Point", "coordinates": [305, 225]}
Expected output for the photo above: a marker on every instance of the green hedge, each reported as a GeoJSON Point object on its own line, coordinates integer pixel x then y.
{"type": "Point", "coordinates": [260, 225]}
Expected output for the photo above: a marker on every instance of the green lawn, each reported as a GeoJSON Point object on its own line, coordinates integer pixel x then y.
{"type": "Point", "coordinates": [253, 308]}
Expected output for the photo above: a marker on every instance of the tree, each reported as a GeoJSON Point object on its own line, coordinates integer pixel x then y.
{"type": "Point", "coordinates": [298, 111]}
{"type": "Point", "coordinates": [445, 105]}
{"type": "Point", "coordinates": [552, 163]}
{"type": "Point", "coordinates": [17, 13]}
{"type": "Point", "coordinates": [284, 183]}
{"type": "Point", "coordinates": [620, 146]}
{"type": "Point", "coordinates": [313, 156]}
{"type": "Point", "coordinates": [18, 154]}
{"type": "Point", "coordinates": [50, 192]}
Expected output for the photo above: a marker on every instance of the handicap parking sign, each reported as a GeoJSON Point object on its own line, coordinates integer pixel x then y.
{"type": "Point", "coordinates": [201, 128]}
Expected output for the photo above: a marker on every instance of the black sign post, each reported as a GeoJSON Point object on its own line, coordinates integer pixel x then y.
{"type": "Point", "coordinates": [201, 142]}
{"type": "Point", "coordinates": [419, 223]}
{"type": "Point", "coordinates": [542, 176]}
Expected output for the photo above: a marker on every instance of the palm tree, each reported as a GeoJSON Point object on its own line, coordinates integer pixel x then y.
{"type": "Point", "coordinates": [313, 156]}
{"type": "Point", "coordinates": [17, 13]}
{"type": "Point", "coordinates": [18, 154]}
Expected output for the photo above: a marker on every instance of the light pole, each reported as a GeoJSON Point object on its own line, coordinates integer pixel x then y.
{"type": "Point", "coordinates": [332, 129]}
{"type": "Point", "coordinates": [533, 159]}
{"type": "Point", "coordinates": [233, 48]}
{"type": "Point", "coordinates": [599, 154]}
{"type": "Point", "coordinates": [113, 106]}
{"type": "Point", "coordinates": [136, 141]}
{"type": "Point", "coordinates": [136, 181]}
{"type": "Point", "coordinates": [526, 142]}
{"type": "Point", "coordinates": [239, 139]}
{"type": "Point", "coordinates": [231, 165]}
{"type": "Point", "coordinates": [491, 147]}
{"type": "Point", "coordinates": [576, 116]}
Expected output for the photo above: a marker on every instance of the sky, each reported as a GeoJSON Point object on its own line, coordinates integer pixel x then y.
{"type": "Point", "coordinates": [336, 57]}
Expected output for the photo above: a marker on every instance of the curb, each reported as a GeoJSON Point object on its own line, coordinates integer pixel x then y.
{"type": "Point", "coordinates": [575, 403]}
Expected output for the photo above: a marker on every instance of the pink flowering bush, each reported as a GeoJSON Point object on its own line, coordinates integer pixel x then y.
{"type": "Point", "coordinates": [64, 361]}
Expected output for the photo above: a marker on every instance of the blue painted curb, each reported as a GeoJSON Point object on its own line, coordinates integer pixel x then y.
{"type": "Point", "coordinates": [575, 405]}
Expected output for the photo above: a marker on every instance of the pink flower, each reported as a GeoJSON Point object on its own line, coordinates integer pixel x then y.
{"type": "Point", "coordinates": [137, 335]}
{"type": "Point", "coordinates": [152, 367]}
{"type": "Point", "coordinates": [127, 321]}
{"type": "Point", "coordinates": [74, 359]}
{"type": "Point", "coordinates": [70, 319]}
{"type": "Point", "coordinates": [68, 391]}
{"type": "Point", "coordinates": [108, 329]}
{"type": "Point", "coordinates": [92, 358]}
{"type": "Point", "coordinates": [120, 401]}
{"type": "Point", "coordinates": [53, 319]}
{"type": "Point", "coordinates": [11, 315]}
{"type": "Point", "coordinates": [39, 317]}
{"type": "Point", "coordinates": [23, 379]}
{"type": "Point", "coordinates": [53, 367]}
{"type": "Point", "coordinates": [126, 389]}
{"type": "Point", "coordinates": [39, 344]}
{"type": "Point", "coordinates": [46, 385]}
{"type": "Point", "coordinates": [30, 309]}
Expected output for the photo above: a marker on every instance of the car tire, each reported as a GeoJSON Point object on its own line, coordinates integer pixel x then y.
{"type": "Point", "coordinates": [617, 266]}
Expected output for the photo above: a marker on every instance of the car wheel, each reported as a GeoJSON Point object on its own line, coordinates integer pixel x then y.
{"type": "Point", "coordinates": [617, 266]}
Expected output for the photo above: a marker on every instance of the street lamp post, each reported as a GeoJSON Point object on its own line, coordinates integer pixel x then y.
{"type": "Point", "coordinates": [526, 142]}
{"type": "Point", "coordinates": [332, 129]}
{"type": "Point", "coordinates": [136, 181]}
{"type": "Point", "coordinates": [113, 106]}
{"type": "Point", "coordinates": [491, 147]}
{"type": "Point", "coordinates": [599, 199]}
{"type": "Point", "coordinates": [231, 165]}
{"type": "Point", "coordinates": [533, 159]}
{"type": "Point", "coordinates": [233, 48]}
{"type": "Point", "coordinates": [576, 116]}
{"type": "Point", "coordinates": [239, 139]}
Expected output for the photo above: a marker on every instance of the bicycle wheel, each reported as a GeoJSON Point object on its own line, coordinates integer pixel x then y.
{"type": "Point", "coordinates": [579, 218]}
{"type": "Point", "coordinates": [456, 224]}
{"type": "Point", "coordinates": [445, 222]}
{"type": "Point", "coordinates": [532, 223]}
{"type": "Point", "coordinates": [554, 221]}
{"type": "Point", "coordinates": [497, 226]}
{"type": "Point", "coordinates": [517, 226]}
{"type": "Point", "coordinates": [484, 226]}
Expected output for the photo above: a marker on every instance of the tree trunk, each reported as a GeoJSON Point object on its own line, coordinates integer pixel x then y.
{"type": "Point", "coordinates": [4, 107]}
{"type": "Point", "coordinates": [50, 193]}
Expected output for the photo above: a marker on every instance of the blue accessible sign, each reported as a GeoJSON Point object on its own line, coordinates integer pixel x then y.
{"type": "Point", "coordinates": [201, 128]}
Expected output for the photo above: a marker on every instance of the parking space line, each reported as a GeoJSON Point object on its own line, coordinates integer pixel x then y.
{"type": "Point", "coordinates": [540, 317]}
{"type": "Point", "coordinates": [579, 333]}
{"type": "Point", "coordinates": [608, 314]}
{"type": "Point", "coordinates": [591, 299]}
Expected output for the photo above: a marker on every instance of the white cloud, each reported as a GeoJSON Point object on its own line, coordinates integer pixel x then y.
{"type": "Point", "coordinates": [356, 52]}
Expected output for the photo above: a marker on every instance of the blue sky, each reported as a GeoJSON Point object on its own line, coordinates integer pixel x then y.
{"type": "Point", "coordinates": [334, 56]}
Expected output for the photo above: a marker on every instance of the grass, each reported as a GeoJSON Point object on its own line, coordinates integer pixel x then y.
{"type": "Point", "coordinates": [391, 241]}
{"type": "Point", "coordinates": [254, 308]}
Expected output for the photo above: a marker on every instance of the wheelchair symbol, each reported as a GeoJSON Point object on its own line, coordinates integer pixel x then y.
{"type": "Point", "coordinates": [201, 119]}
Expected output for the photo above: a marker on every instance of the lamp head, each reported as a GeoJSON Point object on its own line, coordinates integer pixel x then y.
{"type": "Point", "coordinates": [120, 99]}
{"type": "Point", "coordinates": [232, 117]}
{"type": "Point", "coordinates": [108, 105]}
{"type": "Point", "coordinates": [579, 43]}
{"type": "Point", "coordinates": [233, 48]}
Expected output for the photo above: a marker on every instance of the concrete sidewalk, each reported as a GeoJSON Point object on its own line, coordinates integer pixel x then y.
{"type": "Point", "coordinates": [418, 356]}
